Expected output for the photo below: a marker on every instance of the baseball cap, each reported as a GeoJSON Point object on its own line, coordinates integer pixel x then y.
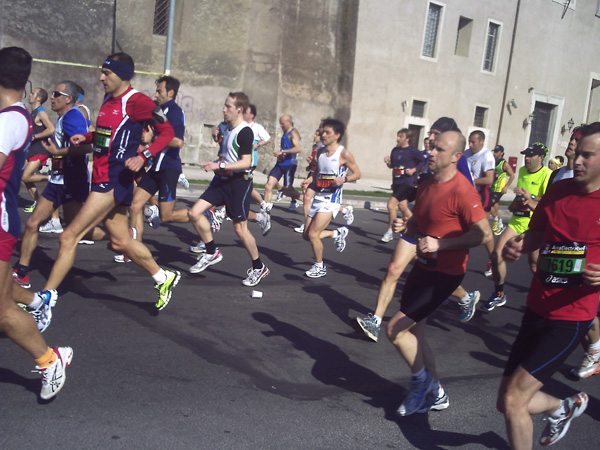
{"type": "Point", "coordinates": [535, 149]}
{"type": "Point", "coordinates": [499, 148]}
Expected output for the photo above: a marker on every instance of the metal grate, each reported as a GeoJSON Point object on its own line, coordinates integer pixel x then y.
{"type": "Point", "coordinates": [418, 108]}
{"type": "Point", "coordinates": [480, 119]}
{"type": "Point", "coordinates": [161, 17]}
{"type": "Point", "coordinates": [431, 30]}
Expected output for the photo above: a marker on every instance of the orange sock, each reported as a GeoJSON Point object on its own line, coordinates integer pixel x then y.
{"type": "Point", "coordinates": [48, 358]}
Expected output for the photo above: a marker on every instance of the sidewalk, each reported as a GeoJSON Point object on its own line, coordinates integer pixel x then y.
{"type": "Point", "coordinates": [357, 201]}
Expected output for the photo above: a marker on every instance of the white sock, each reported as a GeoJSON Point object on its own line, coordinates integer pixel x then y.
{"type": "Point", "coordinates": [344, 210]}
{"type": "Point", "coordinates": [377, 319]}
{"type": "Point", "coordinates": [595, 346]}
{"type": "Point", "coordinates": [319, 264]}
{"type": "Point", "coordinates": [37, 301]}
{"type": "Point", "coordinates": [465, 299]}
{"type": "Point", "coordinates": [160, 277]}
{"type": "Point", "coordinates": [335, 234]}
{"type": "Point", "coordinates": [55, 221]}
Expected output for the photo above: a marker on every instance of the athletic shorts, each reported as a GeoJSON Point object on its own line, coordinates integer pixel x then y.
{"type": "Point", "coordinates": [323, 206]}
{"type": "Point", "coordinates": [518, 224]}
{"type": "Point", "coordinates": [543, 345]}
{"type": "Point", "coordinates": [495, 198]}
{"type": "Point", "coordinates": [123, 190]}
{"type": "Point", "coordinates": [287, 172]}
{"type": "Point", "coordinates": [7, 245]}
{"type": "Point", "coordinates": [425, 290]}
{"type": "Point", "coordinates": [486, 198]}
{"type": "Point", "coordinates": [234, 192]}
{"type": "Point", "coordinates": [39, 157]}
{"type": "Point", "coordinates": [60, 194]}
{"type": "Point", "coordinates": [163, 181]}
{"type": "Point", "coordinates": [401, 191]}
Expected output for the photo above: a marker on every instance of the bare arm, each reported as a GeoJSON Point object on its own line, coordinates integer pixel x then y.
{"type": "Point", "coordinates": [347, 159]}
{"type": "Point", "coordinates": [479, 233]}
{"type": "Point", "coordinates": [49, 131]}
{"type": "Point", "coordinates": [511, 176]}
{"type": "Point", "coordinates": [487, 179]}
{"type": "Point", "coordinates": [66, 151]}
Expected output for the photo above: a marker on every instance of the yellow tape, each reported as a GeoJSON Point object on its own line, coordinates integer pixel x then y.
{"type": "Point", "coordinates": [64, 63]}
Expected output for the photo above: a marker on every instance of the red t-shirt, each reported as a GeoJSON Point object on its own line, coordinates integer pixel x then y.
{"type": "Point", "coordinates": [447, 210]}
{"type": "Point", "coordinates": [566, 215]}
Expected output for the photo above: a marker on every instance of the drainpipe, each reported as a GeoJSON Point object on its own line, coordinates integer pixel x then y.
{"type": "Point", "coordinates": [169, 50]}
{"type": "Point", "coordinates": [512, 46]}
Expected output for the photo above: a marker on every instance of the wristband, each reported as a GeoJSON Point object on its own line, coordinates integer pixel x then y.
{"type": "Point", "coordinates": [345, 179]}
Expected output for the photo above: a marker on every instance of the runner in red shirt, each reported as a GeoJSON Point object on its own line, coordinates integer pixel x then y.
{"type": "Point", "coordinates": [562, 301]}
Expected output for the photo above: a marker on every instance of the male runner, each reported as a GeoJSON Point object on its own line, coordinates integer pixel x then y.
{"type": "Point", "coordinates": [531, 185]}
{"type": "Point", "coordinates": [231, 187]}
{"type": "Point", "coordinates": [333, 162]}
{"type": "Point", "coordinates": [405, 161]}
{"type": "Point", "coordinates": [118, 132]}
{"type": "Point", "coordinates": [68, 185]}
{"type": "Point", "coordinates": [404, 252]}
{"type": "Point", "coordinates": [285, 167]}
{"type": "Point", "coordinates": [562, 300]}
{"type": "Point", "coordinates": [15, 137]}
{"type": "Point", "coordinates": [503, 178]}
{"type": "Point", "coordinates": [36, 158]}
{"type": "Point", "coordinates": [447, 220]}
{"type": "Point", "coordinates": [164, 172]}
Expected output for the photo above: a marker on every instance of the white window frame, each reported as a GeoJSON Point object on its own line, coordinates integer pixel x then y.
{"type": "Point", "coordinates": [438, 33]}
{"type": "Point", "coordinates": [496, 48]}
{"type": "Point", "coordinates": [572, 5]}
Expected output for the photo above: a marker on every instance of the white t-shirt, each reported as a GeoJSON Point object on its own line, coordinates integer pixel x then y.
{"type": "Point", "coordinates": [14, 128]}
{"type": "Point", "coordinates": [480, 163]}
{"type": "Point", "coordinates": [563, 174]}
{"type": "Point", "coordinates": [260, 134]}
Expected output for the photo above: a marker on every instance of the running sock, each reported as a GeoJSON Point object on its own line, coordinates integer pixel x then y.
{"type": "Point", "coordinates": [420, 376]}
{"type": "Point", "coordinates": [46, 360]}
{"type": "Point", "coordinates": [211, 248]}
{"type": "Point", "coordinates": [22, 270]}
{"type": "Point", "coordinates": [335, 234]}
{"type": "Point", "coordinates": [257, 264]}
{"type": "Point", "coordinates": [465, 299]}
{"type": "Point", "coordinates": [378, 320]}
{"type": "Point", "coordinates": [160, 277]}
{"type": "Point", "coordinates": [344, 210]}
{"type": "Point", "coordinates": [37, 302]}
{"type": "Point", "coordinates": [55, 221]}
{"type": "Point", "coordinates": [595, 345]}
{"type": "Point", "coordinates": [500, 288]}
{"type": "Point", "coordinates": [440, 389]}
{"type": "Point", "coordinates": [561, 411]}
{"type": "Point", "coordinates": [319, 264]}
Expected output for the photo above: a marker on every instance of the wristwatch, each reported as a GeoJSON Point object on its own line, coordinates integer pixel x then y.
{"type": "Point", "coordinates": [222, 165]}
{"type": "Point", "coordinates": [147, 154]}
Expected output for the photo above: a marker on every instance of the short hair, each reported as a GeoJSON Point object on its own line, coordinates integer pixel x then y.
{"type": "Point", "coordinates": [15, 67]}
{"type": "Point", "coordinates": [407, 132]}
{"type": "Point", "coordinates": [588, 130]}
{"type": "Point", "coordinates": [252, 109]}
{"type": "Point", "coordinates": [124, 58]}
{"type": "Point", "coordinates": [42, 94]}
{"type": "Point", "coordinates": [480, 135]}
{"type": "Point", "coordinates": [171, 84]}
{"type": "Point", "coordinates": [337, 126]}
{"type": "Point", "coordinates": [560, 158]}
{"type": "Point", "coordinates": [71, 88]}
{"type": "Point", "coordinates": [241, 100]}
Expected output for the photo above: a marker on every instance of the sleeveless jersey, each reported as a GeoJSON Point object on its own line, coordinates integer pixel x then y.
{"type": "Point", "coordinates": [328, 168]}
{"type": "Point", "coordinates": [286, 144]}
{"type": "Point", "coordinates": [499, 177]}
{"type": "Point", "coordinates": [36, 146]}
{"type": "Point", "coordinates": [237, 142]}
{"type": "Point", "coordinates": [12, 170]}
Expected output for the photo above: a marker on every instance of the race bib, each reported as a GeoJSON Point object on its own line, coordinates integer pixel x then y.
{"type": "Point", "coordinates": [325, 182]}
{"type": "Point", "coordinates": [398, 171]}
{"type": "Point", "coordinates": [102, 138]}
{"type": "Point", "coordinates": [562, 263]}
{"type": "Point", "coordinates": [58, 165]}
{"type": "Point", "coordinates": [519, 209]}
{"type": "Point", "coordinates": [426, 259]}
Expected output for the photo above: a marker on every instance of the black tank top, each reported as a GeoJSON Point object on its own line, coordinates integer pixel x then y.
{"type": "Point", "coordinates": [36, 146]}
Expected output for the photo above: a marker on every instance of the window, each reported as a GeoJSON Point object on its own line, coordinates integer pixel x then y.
{"type": "Point", "coordinates": [491, 43]}
{"type": "Point", "coordinates": [418, 108]}
{"type": "Point", "coordinates": [161, 17]}
{"type": "Point", "coordinates": [463, 36]}
{"type": "Point", "coordinates": [542, 123]}
{"type": "Point", "coordinates": [434, 16]}
{"type": "Point", "coordinates": [481, 116]}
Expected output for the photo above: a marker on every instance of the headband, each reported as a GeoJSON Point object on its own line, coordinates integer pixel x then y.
{"type": "Point", "coordinates": [122, 70]}
{"type": "Point", "coordinates": [556, 161]}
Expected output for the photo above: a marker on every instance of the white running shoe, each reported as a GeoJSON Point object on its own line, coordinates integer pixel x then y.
{"type": "Point", "coordinates": [200, 248]}
{"type": "Point", "coordinates": [183, 181]}
{"type": "Point", "coordinates": [558, 427]}
{"type": "Point", "coordinates": [590, 365]}
{"type": "Point", "coordinates": [51, 226]}
{"type": "Point", "coordinates": [205, 260]}
{"type": "Point", "coordinates": [255, 275]}
{"type": "Point", "coordinates": [316, 271]}
{"type": "Point", "coordinates": [264, 222]}
{"type": "Point", "coordinates": [266, 206]}
{"type": "Point", "coordinates": [43, 314]}
{"type": "Point", "coordinates": [54, 376]}
{"type": "Point", "coordinates": [388, 236]}
{"type": "Point", "coordinates": [340, 241]}
{"type": "Point", "coordinates": [348, 215]}
{"type": "Point", "coordinates": [279, 196]}
{"type": "Point", "coordinates": [299, 229]}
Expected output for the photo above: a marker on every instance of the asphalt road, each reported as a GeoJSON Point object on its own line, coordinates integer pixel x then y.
{"type": "Point", "coordinates": [219, 369]}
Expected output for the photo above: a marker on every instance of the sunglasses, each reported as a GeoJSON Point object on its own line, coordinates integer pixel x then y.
{"type": "Point", "coordinates": [56, 94]}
